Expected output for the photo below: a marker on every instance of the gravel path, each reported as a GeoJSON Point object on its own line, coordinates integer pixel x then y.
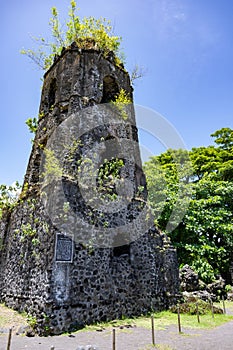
{"type": "Point", "coordinates": [134, 338]}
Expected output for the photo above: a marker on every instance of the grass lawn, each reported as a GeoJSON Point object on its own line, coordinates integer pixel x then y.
{"type": "Point", "coordinates": [167, 318]}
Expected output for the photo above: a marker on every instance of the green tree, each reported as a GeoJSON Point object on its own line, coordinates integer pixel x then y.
{"type": "Point", "coordinates": [169, 182]}
{"type": "Point", "coordinates": [204, 235]}
{"type": "Point", "coordinates": [224, 138]}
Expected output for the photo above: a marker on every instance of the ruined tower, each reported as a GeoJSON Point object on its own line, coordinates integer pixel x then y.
{"type": "Point", "coordinates": [80, 245]}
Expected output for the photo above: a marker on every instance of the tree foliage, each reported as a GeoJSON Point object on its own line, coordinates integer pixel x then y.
{"type": "Point", "coordinates": [84, 31]}
{"type": "Point", "coordinates": [204, 235]}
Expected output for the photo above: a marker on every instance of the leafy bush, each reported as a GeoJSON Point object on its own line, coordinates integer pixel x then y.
{"type": "Point", "coordinates": [190, 307]}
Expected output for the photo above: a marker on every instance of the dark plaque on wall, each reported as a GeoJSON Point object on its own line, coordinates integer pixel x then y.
{"type": "Point", "coordinates": [64, 248]}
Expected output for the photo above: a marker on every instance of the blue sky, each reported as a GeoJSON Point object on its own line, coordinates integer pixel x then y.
{"type": "Point", "coordinates": [185, 46]}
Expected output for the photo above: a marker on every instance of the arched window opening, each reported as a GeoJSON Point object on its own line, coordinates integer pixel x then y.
{"type": "Point", "coordinates": [110, 89]}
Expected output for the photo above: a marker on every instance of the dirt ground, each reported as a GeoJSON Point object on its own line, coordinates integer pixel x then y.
{"type": "Point", "coordinates": [134, 338]}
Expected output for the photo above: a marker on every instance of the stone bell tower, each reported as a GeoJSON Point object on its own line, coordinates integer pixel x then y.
{"type": "Point", "coordinates": [80, 245]}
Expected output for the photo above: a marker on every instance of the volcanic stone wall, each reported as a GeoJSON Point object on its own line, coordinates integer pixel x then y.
{"type": "Point", "coordinates": [62, 279]}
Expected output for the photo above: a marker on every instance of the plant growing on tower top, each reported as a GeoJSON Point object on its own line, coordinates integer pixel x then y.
{"type": "Point", "coordinates": [86, 32]}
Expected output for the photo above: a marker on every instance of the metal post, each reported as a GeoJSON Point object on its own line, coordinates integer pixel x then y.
{"type": "Point", "coordinates": [198, 316]}
{"type": "Point", "coordinates": [9, 339]}
{"type": "Point", "coordinates": [153, 329]}
{"type": "Point", "coordinates": [179, 323]}
{"type": "Point", "coordinates": [113, 339]}
{"type": "Point", "coordinates": [224, 307]}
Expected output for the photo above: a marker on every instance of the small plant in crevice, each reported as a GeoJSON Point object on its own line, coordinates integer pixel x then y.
{"type": "Point", "coordinates": [9, 196]}
{"type": "Point", "coordinates": [32, 321]}
{"type": "Point", "coordinates": [32, 124]}
{"type": "Point", "coordinates": [136, 73]}
{"type": "Point", "coordinates": [122, 101]}
{"type": "Point", "coordinates": [108, 174]}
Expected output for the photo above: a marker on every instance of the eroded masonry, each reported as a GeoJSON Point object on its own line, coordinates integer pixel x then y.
{"type": "Point", "coordinates": [79, 246]}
